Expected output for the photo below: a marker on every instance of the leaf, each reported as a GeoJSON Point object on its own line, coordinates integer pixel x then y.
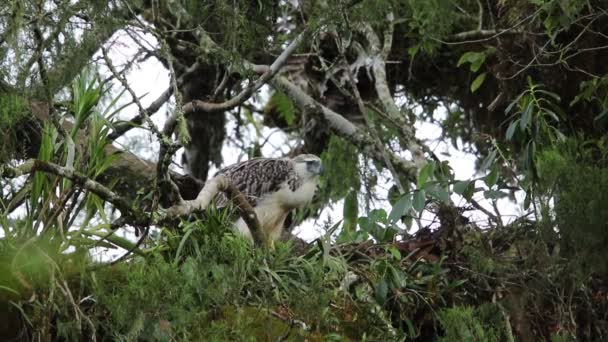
{"type": "Point", "coordinates": [393, 195]}
{"type": "Point", "coordinates": [552, 114]}
{"type": "Point", "coordinates": [466, 57]}
{"type": "Point", "coordinates": [400, 208]}
{"type": "Point", "coordinates": [468, 193]}
{"type": "Point", "coordinates": [492, 177]}
{"type": "Point", "coordinates": [461, 186]}
{"type": "Point", "coordinates": [413, 50]}
{"type": "Point", "coordinates": [494, 194]}
{"type": "Point", "coordinates": [419, 200]}
{"type": "Point", "coordinates": [514, 102]}
{"type": "Point", "coordinates": [489, 160]}
{"type": "Point", "coordinates": [526, 116]}
{"type": "Point", "coordinates": [411, 330]}
{"type": "Point", "coordinates": [351, 210]}
{"type": "Point", "coordinates": [477, 63]}
{"type": "Point", "coordinates": [437, 192]}
{"type": "Point", "coordinates": [457, 283]}
{"type": "Point", "coordinates": [381, 291]}
{"type": "Point", "coordinates": [408, 221]}
{"type": "Point", "coordinates": [601, 115]}
{"type": "Point", "coordinates": [548, 93]}
{"type": "Point", "coordinates": [181, 246]}
{"type": "Point", "coordinates": [377, 215]}
{"type": "Point", "coordinates": [475, 58]}
{"type": "Point", "coordinates": [396, 276]}
{"type": "Point", "coordinates": [477, 82]}
{"type": "Point", "coordinates": [527, 200]}
{"type": "Point", "coordinates": [426, 171]}
{"type": "Point", "coordinates": [394, 252]}
{"type": "Point", "coordinates": [285, 107]}
{"type": "Point", "coordinates": [511, 129]}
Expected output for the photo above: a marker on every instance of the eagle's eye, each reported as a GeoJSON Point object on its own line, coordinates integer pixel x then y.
{"type": "Point", "coordinates": [314, 167]}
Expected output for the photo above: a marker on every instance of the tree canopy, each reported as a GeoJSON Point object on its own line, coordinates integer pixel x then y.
{"type": "Point", "coordinates": [418, 254]}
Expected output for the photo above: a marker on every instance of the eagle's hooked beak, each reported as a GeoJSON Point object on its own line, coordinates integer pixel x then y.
{"type": "Point", "coordinates": [321, 169]}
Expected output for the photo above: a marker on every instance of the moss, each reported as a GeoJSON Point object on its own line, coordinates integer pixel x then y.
{"type": "Point", "coordinates": [13, 116]}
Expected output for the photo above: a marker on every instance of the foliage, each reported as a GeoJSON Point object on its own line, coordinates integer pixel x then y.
{"type": "Point", "coordinates": [575, 173]}
{"type": "Point", "coordinates": [12, 114]}
{"type": "Point", "coordinates": [469, 324]}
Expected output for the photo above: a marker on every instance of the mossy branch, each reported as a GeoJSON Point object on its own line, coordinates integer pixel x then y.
{"type": "Point", "coordinates": [135, 216]}
{"type": "Point", "coordinates": [245, 94]}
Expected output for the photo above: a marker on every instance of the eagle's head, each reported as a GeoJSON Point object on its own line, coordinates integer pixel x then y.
{"type": "Point", "coordinates": [308, 166]}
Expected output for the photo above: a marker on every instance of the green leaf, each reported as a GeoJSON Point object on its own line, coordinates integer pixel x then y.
{"type": "Point", "coordinates": [438, 192]}
{"type": "Point", "coordinates": [413, 50]}
{"type": "Point", "coordinates": [511, 129]}
{"type": "Point", "coordinates": [527, 200]}
{"type": "Point", "coordinates": [552, 114]}
{"type": "Point", "coordinates": [601, 115]}
{"type": "Point", "coordinates": [526, 116]}
{"type": "Point", "coordinates": [469, 192]}
{"type": "Point", "coordinates": [477, 82]}
{"type": "Point", "coordinates": [400, 208]}
{"type": "Point", "coordinates": [492, 177]}
{"type": "Point", "coordinates": [378, 215]}
{"type": "Point", "coordinates": [475, 58]}
{"type": "Point", "coordinates": [514, 102]}
{"type": "Point", "coordinates": [285, 107]}
{"type": "Point", "coordinates": [466, 57]}
{"type": "Point", "coordinates": [394, 252]}
{"type": "Point", "coordinates": [381, 291]}
{"type": "Point", "coordinates": [419, 200]}
{"type": "Point", "coordinates": [426, 171]}
{"type": "Point", "coordinates": [351, 210]}
{"type": "Point", "coordinates": [461, 186]}
{"type": "Point", "coordinates": [181, 246]}
{"type": "Point", "coordinates": [548, 93]}
{"type": "Point", "coordinates": [408, 221]}
{"type": "Point", "coordinates": [488, 161]}
{"type": "Point", "coordinates": [411, 330]}
{"type": "Point", "coordinates": [494, 194]}
{"type": "Point", "coordinates": [393, 195]}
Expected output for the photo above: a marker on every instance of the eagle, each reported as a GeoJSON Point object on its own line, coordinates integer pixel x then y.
{"type": "Point", "coordinates": [273, 187]}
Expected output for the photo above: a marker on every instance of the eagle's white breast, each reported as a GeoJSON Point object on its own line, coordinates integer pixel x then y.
{"type": "Point", "coordinates": [272, 209]}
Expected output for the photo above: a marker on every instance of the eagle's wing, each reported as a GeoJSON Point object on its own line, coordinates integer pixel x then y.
{"type": "Point", "coordinates": [257, 177]}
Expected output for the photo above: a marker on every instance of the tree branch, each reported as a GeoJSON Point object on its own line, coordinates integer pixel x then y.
{"type": "Point", "coordinates": [373, 131]}
{"type": "Point", "coordinates": [383, 91]}
{"type": "Point", "coordinates": [125, 84]}
{"type": "Point", "coordinates": [33, 165]}
{"type": "Point", "coordinates": [123, 128]}
{"type": "Point", "coordinates": [343, 127]}
{"type": "Point", "coordinates": [245, 94]}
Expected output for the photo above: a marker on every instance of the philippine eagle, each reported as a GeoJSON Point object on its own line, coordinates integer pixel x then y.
{"type": "Point", "coordinates": [273, 187]}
